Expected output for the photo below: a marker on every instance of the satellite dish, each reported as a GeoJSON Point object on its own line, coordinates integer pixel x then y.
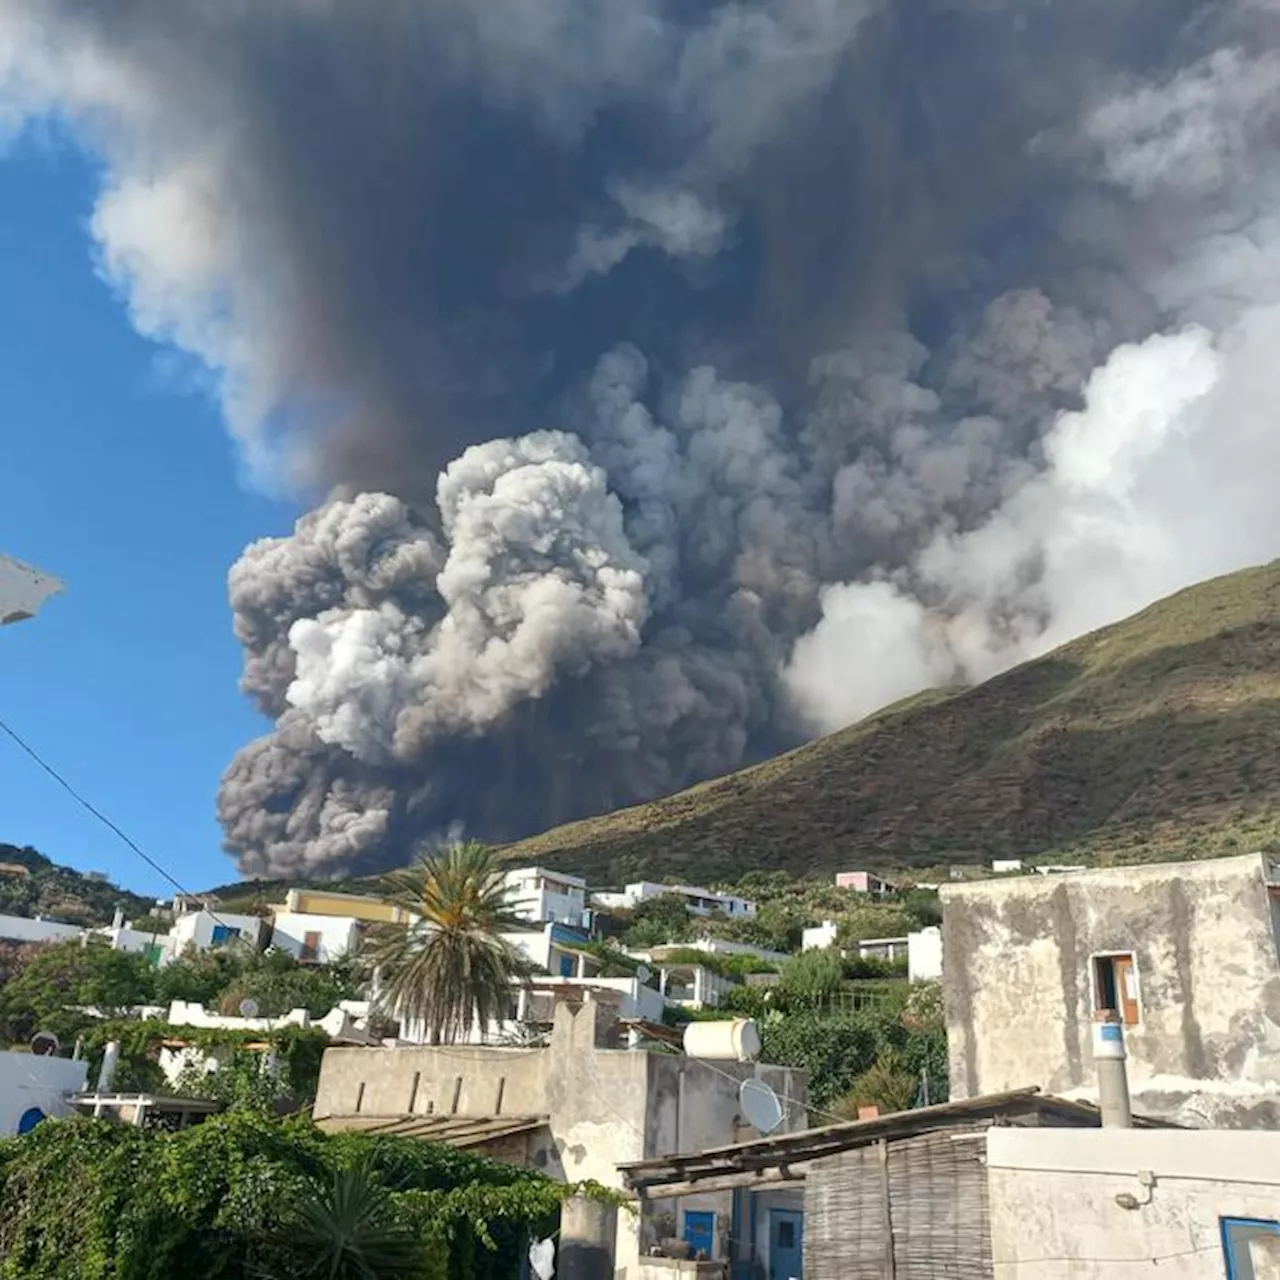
{"type": "Point", "coordinates": [643, 974]}
{"type": "Point", "coordinates": [248, 1008]}
{"type": "Point", "coordinates": [44, 1044]}
{"type": "Point", "coordinates": [760, 1105]}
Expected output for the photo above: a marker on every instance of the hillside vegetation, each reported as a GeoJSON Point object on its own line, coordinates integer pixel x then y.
{"type": "Point", "coordinates": [1148, 739]}
{"type": "Point", "coordinates": [33, 885]}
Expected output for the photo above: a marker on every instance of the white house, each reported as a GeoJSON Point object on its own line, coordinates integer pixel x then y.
{"type": "Point", "coordinates": [546, 897]}
{"type": "Point", "coordinates": [1003, 866]}
{"type": "Point", "coordinates": [698, 901]}
{"type": "Point", "coordinates": [314, 938]}
{"type": "Point", "coordinates": [33, 1087]}
{"type": "Point", "coordinates": [206, 930]}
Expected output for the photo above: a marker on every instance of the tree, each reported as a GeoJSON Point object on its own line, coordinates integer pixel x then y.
{"type": "Point", "coordinates": [64, 975]}
{"type": "Point", "coordinates": [449, 968]}
{"type": "Point", "coordinates": [812, 977]}
{"type": "Point", "coordinates": [277, 983]}
{"type": "Point", "coordinates": [658, 921]}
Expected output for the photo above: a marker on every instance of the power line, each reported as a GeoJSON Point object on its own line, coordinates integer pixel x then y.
{"type": "Point", "coordinates": [87, 805]}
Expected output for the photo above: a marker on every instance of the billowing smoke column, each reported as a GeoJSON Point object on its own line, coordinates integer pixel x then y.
{"type": "Point", "coordinates": [684, 378]}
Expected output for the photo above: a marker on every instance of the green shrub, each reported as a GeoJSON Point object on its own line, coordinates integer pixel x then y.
{"type": "Point", "coordinates": [85, 1199]}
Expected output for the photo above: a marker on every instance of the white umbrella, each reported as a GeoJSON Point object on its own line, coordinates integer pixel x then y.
{"type": "Point", "coordinates": [23, 590]}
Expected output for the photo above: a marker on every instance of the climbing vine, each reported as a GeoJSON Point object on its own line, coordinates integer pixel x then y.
{"type": "Point", "coordinates": [92, 1200]}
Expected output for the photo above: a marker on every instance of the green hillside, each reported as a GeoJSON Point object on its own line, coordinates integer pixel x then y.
{"type": "Point", "coordinates": [1152, 738]}
{"type": "Point", "coordinates": [32, 885]}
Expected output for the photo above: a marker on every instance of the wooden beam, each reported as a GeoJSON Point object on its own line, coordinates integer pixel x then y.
{"type": "Point", "coordinates": [727, 1182]}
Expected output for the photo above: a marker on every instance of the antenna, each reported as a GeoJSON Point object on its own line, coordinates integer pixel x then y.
{"type": "Point", "coordinates": [760, 1105]}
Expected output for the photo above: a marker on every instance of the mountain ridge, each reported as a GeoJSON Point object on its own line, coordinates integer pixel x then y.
{"type": "Point", "coordinates": [1143, 739]}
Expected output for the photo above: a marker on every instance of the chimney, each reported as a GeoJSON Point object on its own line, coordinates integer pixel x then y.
{"type": "Point", "coordinates": [110, 1056]}
{"type": "Point", "coordinates": [1113, 1079]}
{"type": "Point", "coordinates": [117, 920]}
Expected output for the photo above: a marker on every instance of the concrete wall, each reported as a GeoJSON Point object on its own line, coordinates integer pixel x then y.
{"type": "Point", "coordinates": [1054, 1213]}
{"type": "Point", "coordinates": [1019, 988]}
{"type": "Point", "coordinates": [27, 1081]}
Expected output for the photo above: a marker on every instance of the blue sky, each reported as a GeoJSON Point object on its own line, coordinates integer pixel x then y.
{"type": "Point", "coordinates": [126, 487]}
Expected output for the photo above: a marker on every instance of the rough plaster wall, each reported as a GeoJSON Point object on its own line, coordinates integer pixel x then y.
{"type": "Point", "coordinates": [1018, 983]}
{"type": "Point", "coordinates": [1053, 1209]}
{"type": "Point", "coordinates": [387, 1075]}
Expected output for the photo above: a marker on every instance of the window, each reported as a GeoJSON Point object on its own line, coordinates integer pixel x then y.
{"type": "Point", "coordinates": [1251, 1248]}
{"type": "Point", "coordinates": [222, 934]}
{"type": "Point", "coordinates": [1115, 986]}
{"type": "Point", "coordinates": [786, 1234]}
{"type": "Point", "coordinates": [311, 946]}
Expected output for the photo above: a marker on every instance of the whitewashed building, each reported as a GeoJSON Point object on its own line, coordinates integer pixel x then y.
{"type": "Point", "coordinates": [33, 1088]}
{"type": "Point", "coordinates": [546, 897]}
{"type": "Point", "coordinates": [697, 901]}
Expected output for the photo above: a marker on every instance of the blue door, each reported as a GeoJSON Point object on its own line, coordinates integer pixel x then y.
{"type": "Point", "coordinates": [700, 1232]}
{"type": "Point", "coordinates": [786, 1244]}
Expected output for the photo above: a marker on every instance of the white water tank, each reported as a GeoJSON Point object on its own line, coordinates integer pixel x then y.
{"type": "Point", "coordinates": [729, 1041]}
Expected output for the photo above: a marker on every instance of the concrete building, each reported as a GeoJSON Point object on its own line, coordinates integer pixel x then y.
{"type": "Point", "coordinates": [922, 949]}
{"type": "Point", "coordinates": [33, 1088]}
{"type": "Point", "coordinates": [541, 896]}
{"type": "Point", "coordinates": [317, 926]}
{"type": "Point", "coordinates": [576, 1109]}
{"type": "Point", "coordinates": [1004, 866]}
{"type": "Point", "coordinates": [903, 1195]}
{"type": "Point", "coordinates": [1095, 1204]}
{"type": "Point", "coordinates": [316, 939]}
{"type": "Point", "coordinates": [698, 902]}
{"type": "Point", "coordinates": [1185, 953]}
{"type": "Point", "coordinates": [865, 882]}
{"type": "Point", "coordinates": [205, 930]}
{"type": "Point", "coordinates": [819, 937]}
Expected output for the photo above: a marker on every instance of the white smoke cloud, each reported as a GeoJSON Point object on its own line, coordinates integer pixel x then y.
{"type": "Point", "coordinates": [539, 582]}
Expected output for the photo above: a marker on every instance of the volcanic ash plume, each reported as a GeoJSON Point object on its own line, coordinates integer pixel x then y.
{"type": "Point", "coordinates": [684, 379]}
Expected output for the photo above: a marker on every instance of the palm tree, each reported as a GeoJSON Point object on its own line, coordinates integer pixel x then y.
{"type": "Point", "coordinates": [450, 968]}
{"type": "Point", "coordinates": [345, 1230]}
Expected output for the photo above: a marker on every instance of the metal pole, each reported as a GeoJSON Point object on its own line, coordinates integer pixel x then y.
{"type": "Point", "coordinates": [1113, 1078]}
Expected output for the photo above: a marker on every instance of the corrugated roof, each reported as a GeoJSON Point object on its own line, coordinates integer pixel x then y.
{"type": "Point", "coordinates": [455, 1131]}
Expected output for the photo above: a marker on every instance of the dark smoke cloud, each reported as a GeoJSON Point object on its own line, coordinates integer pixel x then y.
{"type": "Point", "coordinates": [684, 379]}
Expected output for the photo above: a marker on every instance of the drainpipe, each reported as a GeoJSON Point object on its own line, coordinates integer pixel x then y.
{"type": "Point", "coordinates": [1113, 1080]}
